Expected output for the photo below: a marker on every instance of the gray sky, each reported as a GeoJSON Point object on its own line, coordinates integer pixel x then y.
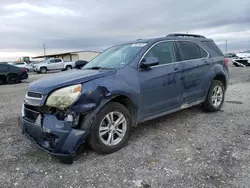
{"type": "Point", "coordinates": [68, 25]}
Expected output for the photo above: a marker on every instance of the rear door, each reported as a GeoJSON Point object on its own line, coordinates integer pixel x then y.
{"type": "Point", "coordinates": [3, 71]}
{"type": "Point", "coordinates": [195, 63]}
{"type": "Point", "coordinates": [160, 85]}
{"type": "Point", "coordinates": [59, 64]}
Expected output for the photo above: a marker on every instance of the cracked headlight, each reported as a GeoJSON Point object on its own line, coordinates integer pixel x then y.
{"type": "Point", "coordinates": [64, 97]}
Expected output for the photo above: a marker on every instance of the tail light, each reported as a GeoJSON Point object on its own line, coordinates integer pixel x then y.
{"type": "Point", "coordinates": [24, 70]}
{"type": "Point", "coordinates": [227, 62]}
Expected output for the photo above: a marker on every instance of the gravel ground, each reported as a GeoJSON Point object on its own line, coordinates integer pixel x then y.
{"type": "Point", "coordinates": [185, 149]}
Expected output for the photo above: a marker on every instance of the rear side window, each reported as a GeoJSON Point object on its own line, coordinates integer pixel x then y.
{"type": "Point", "coordinates": [58, 60]}
{"type": "Point", "coordinates": [164, 51]}
{"type": "Point", "coordinates": [3, 68]}
{"type": "Point", "coordinates": [190, 50]}
{"type": "Point", "coordinates": [212, 48]}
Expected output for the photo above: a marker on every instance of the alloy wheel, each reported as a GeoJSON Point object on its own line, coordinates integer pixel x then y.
{"type": "Point", "coordinates": [113, 128]}
{"type": "Point", "coordinates": [217, 96]}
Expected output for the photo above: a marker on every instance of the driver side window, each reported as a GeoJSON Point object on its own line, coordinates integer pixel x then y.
{"type": "Point", "coordinates": [164, 51]}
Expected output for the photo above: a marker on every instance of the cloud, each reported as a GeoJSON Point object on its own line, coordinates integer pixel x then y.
{"type": "Point", "coordinates": [65, 25]}
{"type": "Point", "coordinates": [46, 10]}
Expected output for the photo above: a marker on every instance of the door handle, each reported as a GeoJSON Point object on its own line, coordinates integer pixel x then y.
{"type": "Point", "coordinates": [176, 69]}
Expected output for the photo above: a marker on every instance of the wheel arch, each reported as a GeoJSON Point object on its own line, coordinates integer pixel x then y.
{"type": "Point", "coordinates": [128, 103]}
{"type": "Point", "coordinates": [11, 73]}
{"type": "Point", "coordinates": [221, 78]}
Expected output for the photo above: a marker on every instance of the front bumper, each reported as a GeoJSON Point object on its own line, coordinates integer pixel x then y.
{"type": "Point", "coordinates": [55, 137]}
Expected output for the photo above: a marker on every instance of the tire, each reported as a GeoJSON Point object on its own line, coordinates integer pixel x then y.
{"type": "Point", "coordinates": [43, 70]}
{"type": "Point", "coordinates": [68, 67]}
{"type": "Point", "coordinates": [96, 141]}
{"type": "Point", "coordinates": [210, 104]}
{"type": "Point", "coordinates": [12, 79]}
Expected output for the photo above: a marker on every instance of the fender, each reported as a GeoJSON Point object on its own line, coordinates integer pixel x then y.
{"type": "Point", "coordinates": [214, 71]}
{"type": "Point", "coordinates": [95, 96]}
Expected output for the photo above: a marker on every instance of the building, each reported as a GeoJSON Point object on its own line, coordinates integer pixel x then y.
{"type": "Point", "coordinates": [72, 56]}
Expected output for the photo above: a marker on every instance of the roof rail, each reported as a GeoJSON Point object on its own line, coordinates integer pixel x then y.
{"type": "Point", "coordinates": [184, 35]}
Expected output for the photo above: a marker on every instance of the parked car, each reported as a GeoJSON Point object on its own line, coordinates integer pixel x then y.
{"type": "Point", "coordinates": [245, 54]}
{"type": "Point", "coordinates": [241, 62]}
{"type": "Point", "coordinates": [53, 64]}
{"type": "Point", "coordinates": [29, 67]}
{"type": "Point", "coordinates": [11, 74]}
{"type": "Point", "coordinates": [19, 64]}
{"type": "Point", "coordinates": [230, 55]}
{"type": "Point", "coordinates": [80, 63]}
{"type": "Point", "coordinates": [125, 85]}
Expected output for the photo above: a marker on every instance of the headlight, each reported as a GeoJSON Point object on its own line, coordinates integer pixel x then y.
{"type": "Point", "coordinates": [63, 98]}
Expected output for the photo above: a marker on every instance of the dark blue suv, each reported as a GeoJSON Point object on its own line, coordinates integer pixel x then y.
{"type": "Point", "coordinates": [125, 85]}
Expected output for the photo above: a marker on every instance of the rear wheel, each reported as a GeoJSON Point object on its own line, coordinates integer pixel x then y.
{"type": "Point", "coordinates": [215, 97]}
{"type": "Point", "coordinates": [12, 79]}
{"type": "Point", "coordinates": [68, 67]}
{"type": "Point", "coordinates": [111, 128]}
{"type": "Point", "coordinates": [43, 70]}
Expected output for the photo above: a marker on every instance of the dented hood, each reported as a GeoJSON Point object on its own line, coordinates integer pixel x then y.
{"type": "Point", "coordinates": [54, 81]}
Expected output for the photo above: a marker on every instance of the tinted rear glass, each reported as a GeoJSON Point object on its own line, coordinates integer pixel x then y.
{"type": "Point", "coordinates": [190, 50]}
{"type": "Point", "coordinates": [212, 48]}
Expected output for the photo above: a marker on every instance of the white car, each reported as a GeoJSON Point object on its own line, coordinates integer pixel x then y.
{"type": "Point", "coordinates": [19, 64]}
{"type": "Point", "coordinates": [241, 62]}
{"type": "Point", "coordinates": [245, 54]}
{"type": "Point", "coordinates": [53, 64]}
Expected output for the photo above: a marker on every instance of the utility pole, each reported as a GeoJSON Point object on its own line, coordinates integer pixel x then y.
{"type": "Point", "coordinates": [44, 49]}
{"type": "Point", "coordinates": [226, 47]}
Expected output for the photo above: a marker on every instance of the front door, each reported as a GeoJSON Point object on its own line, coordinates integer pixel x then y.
{"type": "Point", "coordinates": [160, 85]}
{"type": "Point", "coordinates": [51, 64]}
{"type": "Point", "coordinates": [195, 64]}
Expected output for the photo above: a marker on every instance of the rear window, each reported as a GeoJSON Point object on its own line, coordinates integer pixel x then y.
{"type": "Point", "coordinates": [190, 50]}
{"type": "Point", "coordinates": [58, 60]}
{"type": "Point", "coordinates": [212, 48]}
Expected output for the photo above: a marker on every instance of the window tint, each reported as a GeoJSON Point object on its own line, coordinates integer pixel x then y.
{"type": "Point", "coordinates": [58, 60]}
{"type": "Point", "coordinates": [164, 51]}
{"type": "Point", "coordinates": [212, 48]}
{"type": "Point", "coordinates": [52, 61]}
{"type": "Point", "coordinates": [3, 68]}
{"type": "Point", "coordinates": [190, 50]}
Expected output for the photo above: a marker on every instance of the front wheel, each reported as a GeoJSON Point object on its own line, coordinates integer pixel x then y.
{"type": "Point", "coordinates": [43, 70]}
{"type": "Point", "coordinates": [111, 128]}
{"type": "Point", "coordinates": [215, 97]}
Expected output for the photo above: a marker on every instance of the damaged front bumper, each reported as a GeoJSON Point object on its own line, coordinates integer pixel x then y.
{"type": "Point", "coordinates": [54, 136]}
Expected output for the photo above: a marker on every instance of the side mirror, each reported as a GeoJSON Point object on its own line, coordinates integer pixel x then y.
{"type": "Point", "coordinates": [149, 61]}
{"type": "Point", "coordinates": [80, 64]}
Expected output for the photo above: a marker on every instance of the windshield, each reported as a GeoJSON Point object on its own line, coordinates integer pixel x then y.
{"type": "Point", "coordinates": [116, 56]}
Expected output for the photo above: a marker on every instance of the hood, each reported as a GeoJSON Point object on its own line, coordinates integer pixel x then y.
{"type": "Point", "coordinates": [51, 82]}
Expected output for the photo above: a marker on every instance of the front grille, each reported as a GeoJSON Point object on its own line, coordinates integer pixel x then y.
{"type": "Point", "coordinates": [34, 95]}
{"type": "Point", "coordinates": [30, 115]}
